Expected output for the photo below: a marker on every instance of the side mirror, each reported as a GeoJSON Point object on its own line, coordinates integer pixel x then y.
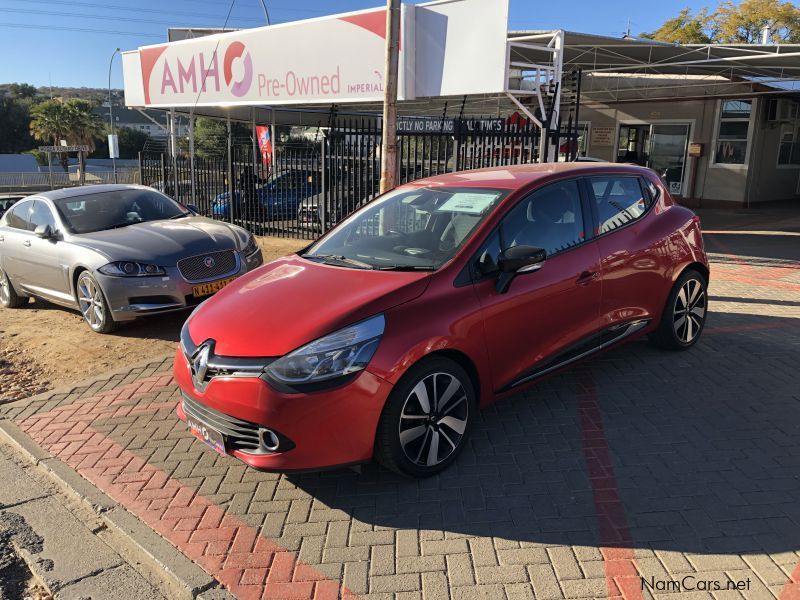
{"type": "Point", "coordinates": [193, 208]}
{"type": "Point", "coordinates": [515, 261]}
{"type": "Point", "coordinates": [44, 232]}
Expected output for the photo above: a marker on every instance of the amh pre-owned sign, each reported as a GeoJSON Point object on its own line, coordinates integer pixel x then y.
{"type": "Point", "coordinates": [247, 67]}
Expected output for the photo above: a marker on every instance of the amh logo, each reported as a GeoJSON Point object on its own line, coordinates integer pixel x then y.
{"type": "Point", "coordinates": [234, 51]}
{"type": "Point", "coordinates": [182, 74]}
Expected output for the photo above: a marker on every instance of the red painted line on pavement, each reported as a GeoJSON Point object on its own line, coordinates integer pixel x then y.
{"type": "Point", "coordinates": [249, 565]}
{"type": "Point", "coordinates": [791, 591]}
{"type": "Point", "coordinates": [622, 576]}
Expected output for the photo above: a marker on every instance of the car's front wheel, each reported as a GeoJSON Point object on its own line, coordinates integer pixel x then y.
{"type": "Point", "coordinates": [427, 418]}
{"type": "Point", "coordinates": [684, 314]}
{"type": "Point", "coordinates": [93, 304]}
{"type": "Point", "coordinates": [8, 295]}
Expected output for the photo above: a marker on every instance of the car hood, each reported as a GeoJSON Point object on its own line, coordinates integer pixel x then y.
{"type": "Point", "coordinates": [292, 301]}
{"type": "Point", "coordinates": [162, 242]}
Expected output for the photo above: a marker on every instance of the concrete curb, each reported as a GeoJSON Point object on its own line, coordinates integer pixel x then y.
{"type": "Point", "coordinates": [180, 574]}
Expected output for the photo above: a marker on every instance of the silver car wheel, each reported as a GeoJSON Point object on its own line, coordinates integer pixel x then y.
{"type": "Point", "coordinates": [90, 299]}
{"type": "Point", "coordinates": [689, 311]}
{"type": "Point", "coordinates": [5, 293]}
{"type": "Point", "coordinates": [433, 419]}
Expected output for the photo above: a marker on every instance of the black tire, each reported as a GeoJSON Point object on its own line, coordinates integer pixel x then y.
{"type": "Point", "coordinates": [682, 323]}
{"type": "Point", "coordinates": [8, 295]}
{"type": "Point", "coordinates": [441, 423]}
{"type": "Point", "coordinates": [93, 305]}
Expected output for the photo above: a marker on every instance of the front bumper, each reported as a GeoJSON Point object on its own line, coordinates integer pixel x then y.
{"type": "Point", "coordinates": [327, 428]}
{"type": "Point", "coordinates": [132, 297]}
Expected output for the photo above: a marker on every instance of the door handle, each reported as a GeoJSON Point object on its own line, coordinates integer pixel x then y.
{"type": "Point", "coordinates": [27, 243]}
{"type": "Point", "coordinates": [587, 277]}
{"type": "Point", "coordinates": [2, 239]}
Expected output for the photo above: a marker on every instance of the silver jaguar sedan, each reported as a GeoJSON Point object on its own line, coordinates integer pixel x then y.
{"type": "Point", "coordinates": [117, 252]}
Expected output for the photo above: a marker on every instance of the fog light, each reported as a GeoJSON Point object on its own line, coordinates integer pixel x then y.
{"type": "Point", "coordinates": [269, 440]}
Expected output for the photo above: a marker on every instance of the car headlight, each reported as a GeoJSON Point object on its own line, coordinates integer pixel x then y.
{"type": "Point", "coordinates": [343, 352]}
{"type": "Point", "coordinates": [251, 247]}
{"type": "Point", "coordinates": [124, 268]}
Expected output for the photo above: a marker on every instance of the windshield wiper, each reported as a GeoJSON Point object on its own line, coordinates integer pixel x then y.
{"type": "Point", "coordinates": [179, 216]}
{"type": "Point", "coordinates": [340, 258]}
{"type": "Point", "coordinates": [406, 268]}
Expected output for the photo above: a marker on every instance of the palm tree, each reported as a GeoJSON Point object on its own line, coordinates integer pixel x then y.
{"type": "Point", "coordinates": [72, 121]}
{"type": "Point", "coordinates": [86, 129]}
{"type": "Point", "coordinates": [50, 122]}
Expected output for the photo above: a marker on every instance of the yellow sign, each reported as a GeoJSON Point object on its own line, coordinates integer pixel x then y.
{"type": "Point", "coordinates": [212, 287]}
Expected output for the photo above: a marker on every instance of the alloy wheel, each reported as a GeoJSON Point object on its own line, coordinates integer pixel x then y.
{"type": "Point", "coordinates": [433, 419]}
{"type": "Point", "coordinates": [689, 311]}
{"type": "Point", "coordinates": [5, 292]}
{"type": "Point", "coordinates": [90, 299]}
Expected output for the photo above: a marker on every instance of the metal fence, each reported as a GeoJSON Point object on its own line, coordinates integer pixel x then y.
{"type": "Point", "coordinates": [313, 185]}
{"type": "Point", "coordinates": [38, 181]}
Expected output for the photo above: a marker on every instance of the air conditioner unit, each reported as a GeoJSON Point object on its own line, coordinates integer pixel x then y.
{"type": "Point", "coordinates": [783, 109]}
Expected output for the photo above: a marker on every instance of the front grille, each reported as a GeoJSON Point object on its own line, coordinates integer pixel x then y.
{"type": "Point", "coordinates": [239, 434]}
{"type": "Point", "coordinates": [208, 266]}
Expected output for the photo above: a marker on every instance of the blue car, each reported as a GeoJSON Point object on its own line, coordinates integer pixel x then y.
{"type": "Point", "coordinates": [279, 198]}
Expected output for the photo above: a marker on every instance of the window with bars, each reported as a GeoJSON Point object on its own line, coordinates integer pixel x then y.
{"type": "Point", "coordinates": [732, 132]}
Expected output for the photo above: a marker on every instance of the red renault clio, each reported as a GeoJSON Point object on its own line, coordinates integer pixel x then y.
{"type": "Point", "coordinates": [385, 336]}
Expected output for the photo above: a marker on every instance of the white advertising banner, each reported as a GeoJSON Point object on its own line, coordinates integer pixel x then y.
{"type": "Point", "coordinates": [448, 47]}
{"type": "Point", "coordinates": [339, 58]}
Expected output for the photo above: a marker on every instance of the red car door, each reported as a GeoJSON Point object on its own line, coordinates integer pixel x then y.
{"type": "Point", "coordinates": [632, 262]}
{"type": "Point", "coordinates": [547, 311]}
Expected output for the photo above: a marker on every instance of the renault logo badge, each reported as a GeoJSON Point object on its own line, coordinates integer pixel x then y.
{"type": "Point", "coordinates": [199, 364]}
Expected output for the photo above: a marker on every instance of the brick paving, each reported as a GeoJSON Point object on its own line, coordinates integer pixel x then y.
{"type": "Point", "coordinates": [638, 464]}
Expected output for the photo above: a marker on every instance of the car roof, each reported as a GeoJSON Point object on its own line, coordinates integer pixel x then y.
{"type": "Point", "coordinates": [518, 176]}
{"type": "Point", "coordinates": [87, 190]}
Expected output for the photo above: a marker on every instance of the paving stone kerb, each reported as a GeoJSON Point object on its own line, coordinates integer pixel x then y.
{"type": "Point", "coordinates": [672, 467]}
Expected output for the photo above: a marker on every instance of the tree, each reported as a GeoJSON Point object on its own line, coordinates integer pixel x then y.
{"type": "Point", "coordinates": [211, 136]}
{"type": "Point", "coordinates": [745, 23]}
{"type": "Point", "coordinates": [131, 142]}
{"type": "Point", "coordinates": [50, 123]}
{"type": "Point", "coordinates": [14, 119]}
{"type": "Point", "coordinates": [22, 90]}
{"type": "Point", "coordinates": [686, 28]}
{"type": "Point", "coordinates": [73, 121]}
{"type": "Point", "coordinates": [86, 128]}
{"type": "Point", "coordinates": [732, 23]}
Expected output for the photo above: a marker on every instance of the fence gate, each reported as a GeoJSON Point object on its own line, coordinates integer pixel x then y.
{"type": "Point", "coordinates": [314, 184]}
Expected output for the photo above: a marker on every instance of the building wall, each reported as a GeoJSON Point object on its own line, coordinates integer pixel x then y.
{"type": "Point", "coordinates": [770, 181]}
{"type": "Point", "coordinates": [759, 180]}
{"type": "Point", "coordinates": [713, 182]}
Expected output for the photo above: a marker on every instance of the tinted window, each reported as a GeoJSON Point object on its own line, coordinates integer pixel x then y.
{"type": "Point", "coordinates": [619, 200]}
{"type": "Point", "coordinates": [120, 208]}
{"type": "Point", "coordinates": [42, 215]}
{"type": "Point", "coordinates": [19, 216]}
{"type": "Point", "coordinates": [550, 218]}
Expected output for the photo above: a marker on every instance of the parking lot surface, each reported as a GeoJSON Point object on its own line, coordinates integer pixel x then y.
{"type": "Point", "coordinates": [637, 474]}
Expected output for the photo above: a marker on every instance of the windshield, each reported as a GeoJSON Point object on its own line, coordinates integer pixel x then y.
{"type": "Point", "coordinates": [120, 208]}
{"type": "Point", "coordinates": [409, 229]}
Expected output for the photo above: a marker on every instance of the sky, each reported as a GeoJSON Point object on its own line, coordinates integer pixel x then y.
{"type": "Point", "coordinates": [52, 42]}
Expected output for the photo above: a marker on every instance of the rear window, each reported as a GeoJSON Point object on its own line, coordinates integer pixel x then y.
{"type": "Point", "coordinates": [619, 200]}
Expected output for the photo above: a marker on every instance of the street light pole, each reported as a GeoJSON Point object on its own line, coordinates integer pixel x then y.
{"type": "Point", "coordinates": [111, 117]}
{"type": "Point", "coordinates": [389, 124]}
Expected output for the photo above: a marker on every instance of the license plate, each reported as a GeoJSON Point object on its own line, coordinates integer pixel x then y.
{"type": "Point", "coordinates": [212, 287]}
{"type": "Point", "coordinates": [212, 438]}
